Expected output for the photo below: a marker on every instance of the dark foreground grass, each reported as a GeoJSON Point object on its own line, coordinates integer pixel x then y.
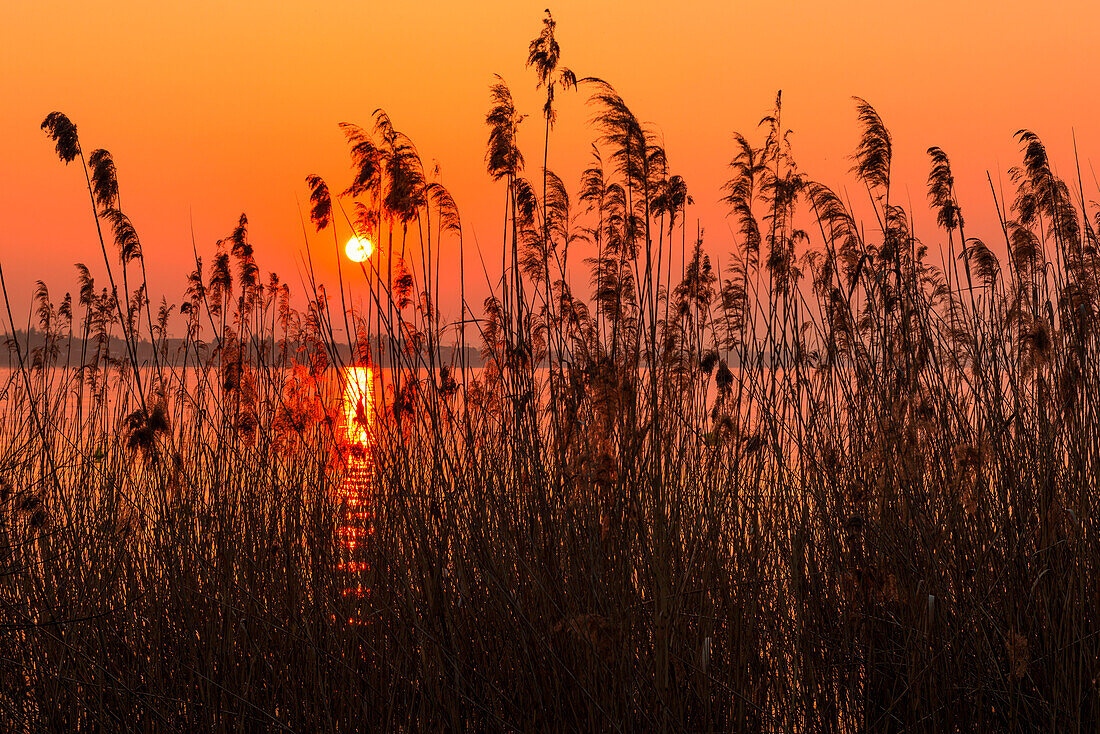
{"type": "Point", "coordinates": [834, 486]}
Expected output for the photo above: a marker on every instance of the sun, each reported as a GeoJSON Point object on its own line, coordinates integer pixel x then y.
{"type": "Point", "coordinates": [359, 249]}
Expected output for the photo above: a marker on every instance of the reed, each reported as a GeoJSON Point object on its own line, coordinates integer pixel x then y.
{"type": "Point", "coordinates": [832, 486]}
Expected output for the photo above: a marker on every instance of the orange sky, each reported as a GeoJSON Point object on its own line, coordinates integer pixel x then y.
{"type": "Point", "coordinates": [212, 110]}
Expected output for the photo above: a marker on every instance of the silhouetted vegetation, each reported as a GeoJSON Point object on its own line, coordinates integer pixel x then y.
{"type": "Point", "coordinates": [844, 482]}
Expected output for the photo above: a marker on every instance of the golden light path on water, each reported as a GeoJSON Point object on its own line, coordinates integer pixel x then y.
{"type": "Point", "coordinates": [355, 490]}
{"type": "Point", "coordinates": [358, 405]}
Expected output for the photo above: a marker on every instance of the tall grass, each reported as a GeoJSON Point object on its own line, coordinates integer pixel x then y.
{"type": "Point", "coordinates": [834, 486]}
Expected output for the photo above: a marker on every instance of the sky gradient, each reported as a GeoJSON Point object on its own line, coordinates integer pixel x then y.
{"type": "Point", "coordinates": [211, 111]}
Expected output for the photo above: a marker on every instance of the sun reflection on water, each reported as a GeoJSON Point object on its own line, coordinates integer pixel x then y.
{"type": "Point", "coordinates": [358, 405]}
{"type": "Point", "coordinates": [357, 432]}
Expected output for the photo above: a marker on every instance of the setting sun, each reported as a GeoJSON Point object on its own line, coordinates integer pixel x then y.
{"type": "Point", "coordinates": [359, 249]}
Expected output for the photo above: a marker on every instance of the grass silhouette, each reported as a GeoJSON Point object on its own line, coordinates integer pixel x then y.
{"type": "Point", "coordinates": [834, 486]}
